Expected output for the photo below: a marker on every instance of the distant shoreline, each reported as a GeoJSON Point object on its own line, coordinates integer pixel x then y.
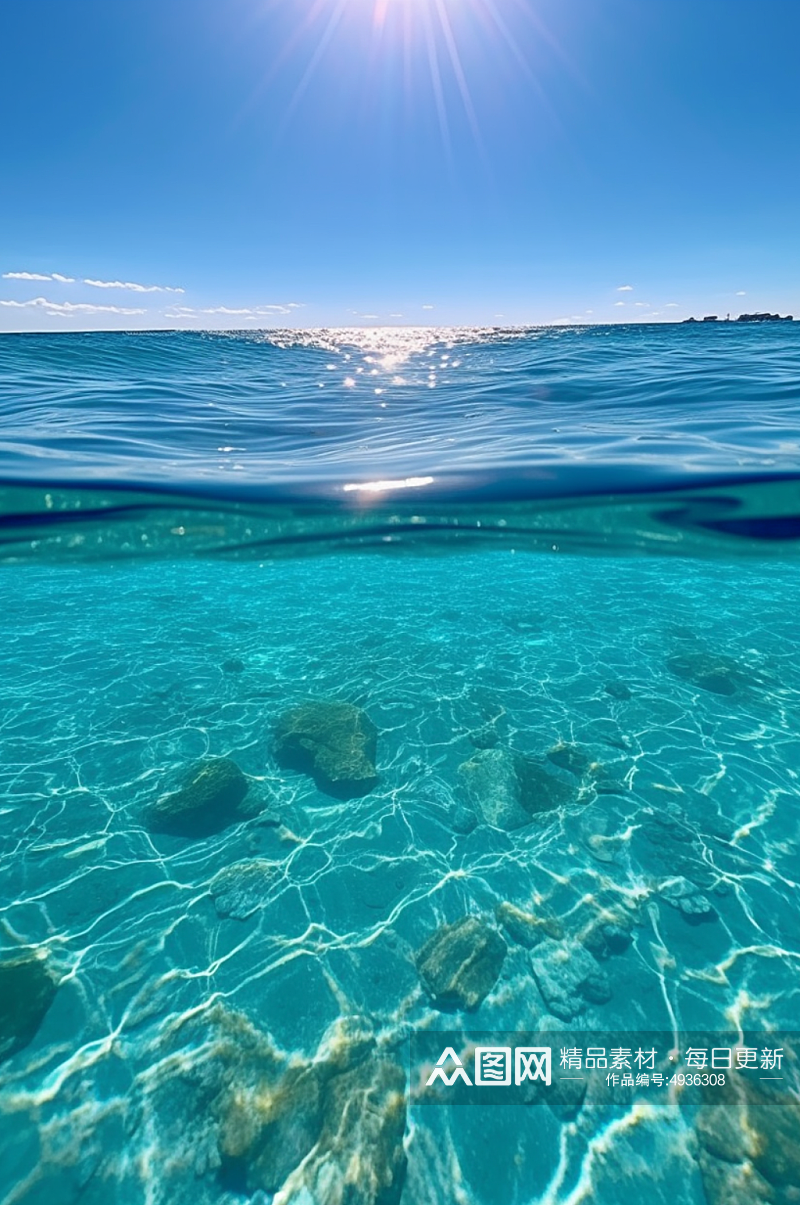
{"type": "Point", "coordinates": [744, 318]}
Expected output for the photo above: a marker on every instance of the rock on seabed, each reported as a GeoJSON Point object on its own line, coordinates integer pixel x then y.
{"type": "Point", "coordinates": [570, 758]}
{"type": "Point", "coordinates": [210, 799]}
{"type": "Point", "coordinates": [717, 674]}
{"type": "Point", "coordinates": [334, 743]}
{"type": "Point", "coordinates": [749, 1145]}
{"type": "Point", "coordinates": [687, 898]}
{"type": "Point", "coordinates": [240, 890]}
{"type": "Point", "coordinates": [460, 963]}
{"type": "Point", "coordinates": [527, 929]}
{"type": "Point", "coordinates": [27, 989]}
{"type": "Point", "coordinates": [618, 690]}
{"type": "Point", "coordinates": [327, 1130]}
{"type": "Point", "coordinates": [507, 789]}
{"type": "Point", "coordinates": [568, 978]}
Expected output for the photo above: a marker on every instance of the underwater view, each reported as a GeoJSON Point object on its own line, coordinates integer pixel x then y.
{"type": "Point", "coordinates": [376, 698]}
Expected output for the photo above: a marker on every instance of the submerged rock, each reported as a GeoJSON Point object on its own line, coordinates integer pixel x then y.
{"type": "Point", "coordinates": [233, 666]}
{"type": "Point", "coordinates": [735, 1183]}
{"type": "Point", "coordinates": [749, 1145]}
{"type": "Point", "coordinates": [239, 890]}
{"type": "Point", "coordinates": [328, 1130]}
{"type": "Point", "coordinates": [268, 818]}
{"type": "Point", "coordinates": [568, 978]}
{"type": "Point", "coordinates": [541, 791]}
{"type": "Point", "coordinates": [507, 789]}
{"type": "Point", "coordinates": [688, 899]}
{"type": "Point", "coordinates": [571, 758]}
{"type": "Point", "coordinates": [360, 1158]}
{"type": "Point", "coordinates": [349, 1128]}
{"type": "Point", "coordinates": [209, 801]}
{"type": "Point", "coordinates": [492, 786]}
{"type": "Point", "coordinates": [334, 743]}
{"type": "Point", "coordinates": [269, 1133]}
{"type": "Point", "coordinates": [609, 786]}
{"type": "Point", "coordinates": [607, 938]}
{"type": "Point", "coordinates": [617, 690]}
{"type": "Point", "coordinates": [27, 989]}
{"type": "Point", "coordinates": [464, 820]}
{"type": "Point", "coordinates": [460, 963]}
{"type": "Point", "coordinates": [325, 1129]}
{"type": "Point", "coordinates": [717, 674]}
{"type": "Point", "coordinates": [598, 836]}
{"type": "Point", "coordinates": [526, 928]}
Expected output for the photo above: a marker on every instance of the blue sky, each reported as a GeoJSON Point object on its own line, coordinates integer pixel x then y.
{"type": "Point", "coordinates": [360, 162]}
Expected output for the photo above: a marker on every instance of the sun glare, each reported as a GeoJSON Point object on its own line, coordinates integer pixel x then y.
{"type": "Point", "coordinates": [431, 36]}
{"type": "Point", "coordinates": [388, 4]}
{"type": "Point", "coordinates": [418, 49]}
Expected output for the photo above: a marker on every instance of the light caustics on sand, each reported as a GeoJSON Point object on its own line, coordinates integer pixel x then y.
{"type": "Point", "coordinates": [208, 977]}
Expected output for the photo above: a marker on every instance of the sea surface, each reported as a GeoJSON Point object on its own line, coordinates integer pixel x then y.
{"type": "Point", "coordinates": [369, 693]}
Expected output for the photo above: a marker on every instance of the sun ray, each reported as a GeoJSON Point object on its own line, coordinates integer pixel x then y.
{"type": "Point", "coordinates": [316, 58]}
{"type": "Point", "coordinates": [420, 38]}
{"type": "Point", "coordinates": [458, 70]}
{"type": "Point", "coordinates": [436, 79]}
{"type": "Point", "coordinates": [490, 8]}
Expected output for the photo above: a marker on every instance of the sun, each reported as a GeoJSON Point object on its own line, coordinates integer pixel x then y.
{"type": "Point", "coordinates": [387, 4]}
{"type": "Point", "coordinates": [427, 11]}
{"type": "Point", "coordinates": [384, 4]}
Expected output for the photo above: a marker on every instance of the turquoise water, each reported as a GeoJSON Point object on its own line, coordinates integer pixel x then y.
{"type": "Point", "coordinates": [218, 1008]}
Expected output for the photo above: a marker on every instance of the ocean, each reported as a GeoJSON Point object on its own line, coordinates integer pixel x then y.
{"type": "Point", "coordinates": [399, 767]}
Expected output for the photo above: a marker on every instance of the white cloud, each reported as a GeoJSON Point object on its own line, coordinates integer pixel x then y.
{"type": "Point", "coordinates": [25, 276]}
{"type": "Point", "coordinates": [741, 293]}
{"type": "Point", "coordinates": [66, 280]}
{"type": "Point", "coordinates": [619, 303]}
{"type": "Point", "coordinates": [625, 289]}
{"type": "Point", "coordinates": [672, 305]}
{"type": "Point", "coordinates": [646, 304]}
{"type": "Point", "coordinates": [249, 313]}
{"type": "Point", "coordinates": [224, 309]}
{"type": "Point", "coordinates": [131, 285]}
{"type": "Point", "coordinates": [69, 307]}
{"type": "Point", "coordinates": [95, 284]}
{"type": "Point", "coordinates": [427, 307]}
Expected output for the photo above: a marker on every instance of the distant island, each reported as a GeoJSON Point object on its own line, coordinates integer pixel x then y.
{"type": "Point", "coordinates": [744, 318]}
